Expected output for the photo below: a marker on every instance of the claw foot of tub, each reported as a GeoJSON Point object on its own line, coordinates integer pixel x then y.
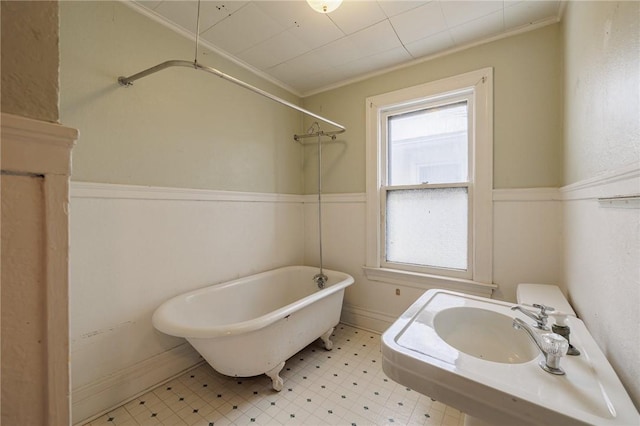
{"type": "Point", "coordinates": [274, 375]}
{"type": "Point", "coordinates": [328, 343]}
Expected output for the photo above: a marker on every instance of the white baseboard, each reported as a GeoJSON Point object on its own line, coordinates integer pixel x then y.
{"type": "Point", "coordinates": [366, 319]}
{"type": "Point", "coordinates": [94, 399]}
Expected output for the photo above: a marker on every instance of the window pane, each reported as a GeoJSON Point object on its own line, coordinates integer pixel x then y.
{"type": "Point", "coordinates": [429, 146]}
{"type": "Point", "coordinates": [427, 227]}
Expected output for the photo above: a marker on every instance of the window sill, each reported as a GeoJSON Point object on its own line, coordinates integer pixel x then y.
{"type": "Point", "coordinates": [426, 282]}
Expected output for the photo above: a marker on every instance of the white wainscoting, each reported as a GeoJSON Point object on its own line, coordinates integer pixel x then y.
{"type": "Point", "coordinates": [602, 265]}
{"type": "Point", "coordinates": [527, 239]}
{"type": "Point", "coordinates": [527, 248]}
{"type": "Point", "coordinates": [134, 247]}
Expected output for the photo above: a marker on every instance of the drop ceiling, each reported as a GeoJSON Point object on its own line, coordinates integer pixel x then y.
{"type": "Point", "coordinates": [307, 52]}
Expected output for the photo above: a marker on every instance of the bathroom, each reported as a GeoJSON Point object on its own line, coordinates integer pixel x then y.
{"type": "Point", "coordinates": [191, 181]}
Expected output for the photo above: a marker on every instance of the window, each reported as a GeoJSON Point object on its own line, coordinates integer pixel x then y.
{"type": "Point", "coordinates": [429, 180]}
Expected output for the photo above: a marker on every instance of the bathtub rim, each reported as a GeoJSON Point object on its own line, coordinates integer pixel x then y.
{"type": "Point", "coordinates": [163, 322]}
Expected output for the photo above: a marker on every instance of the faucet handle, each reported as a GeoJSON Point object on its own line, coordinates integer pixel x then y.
{"type": "Point", "coordinates": [554, 344]}
{"type": "Point", "coordinates": [553, 347]}
{"type": "Point", "coordinates": [543, 309]}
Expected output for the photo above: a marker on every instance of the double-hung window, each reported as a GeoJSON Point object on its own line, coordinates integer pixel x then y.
{"type": "Point", "coordinates": [429, 180]}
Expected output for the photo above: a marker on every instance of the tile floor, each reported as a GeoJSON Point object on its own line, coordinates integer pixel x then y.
{"type": "Point", "coordinates": [344, 386]}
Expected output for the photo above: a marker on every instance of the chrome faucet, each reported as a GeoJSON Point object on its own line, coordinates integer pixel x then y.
{"type": "Point", "coordinates": [320, 280]}
{"type": "Point", "coordinates": [553, 346]}
{"type": "Point", "coordinates": [540, 319]}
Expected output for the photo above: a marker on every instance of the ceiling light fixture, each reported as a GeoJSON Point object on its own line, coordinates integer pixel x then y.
{"type": "Point", "coordinates": [324, 6]}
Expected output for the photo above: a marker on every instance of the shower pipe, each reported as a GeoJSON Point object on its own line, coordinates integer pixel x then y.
{"type": "Point", "coordinates": [320, 278]}
{"type": "Point", "coordinates": [128, 81]}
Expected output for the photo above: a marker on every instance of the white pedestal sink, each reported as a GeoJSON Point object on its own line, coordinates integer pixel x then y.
{"type": "Point", "coordinates": [484, 334]}
{"type": "Point", "coordinates": [463, 351]}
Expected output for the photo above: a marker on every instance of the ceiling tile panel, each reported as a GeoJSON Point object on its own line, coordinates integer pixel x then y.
{"type": "Point", "coordinates": [305, 25]}
{"type": "Point", "coordinates": [304, 65]}
{"type": "Point", "coordinates": [380, 60]}
{"type": "Point", "coordinates": [243, 29]}
{"type": "Point", "coordinates": [430, 45]}
{"type": "Point", "coordinates": [274, 51]}
{"type": "Point", "coordinates": [339, 51]}
{"type": "Point", "coordinates": [396, 7]}
{"type": "Point", "coordinates": [460, 12]}
{"type": "Point", "coordinates": [478, 29]}
{"type": "Point", "coordinates": [377, 38]}
{"type": "Point", "coordinates": [288, 13]}
{"type": "Point", "coordinates": [353, 16]}
{"type": "Point", "coordinates": [529, 12]}
{"type": "Point", "coordinates": [185, 13]}
{"type": "Point", "coordinates": [419, 23]}
{"type": "Point", "coordinates": [316, 32]}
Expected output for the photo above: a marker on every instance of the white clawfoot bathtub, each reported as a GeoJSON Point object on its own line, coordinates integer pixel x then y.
{"type": "Point", "coordinates": [252, 325]}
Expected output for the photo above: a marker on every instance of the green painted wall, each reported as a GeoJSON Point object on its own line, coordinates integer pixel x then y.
{"type": "Point", "coordinates": [176, 128]}
{"type": "Point", "coordinates": [527, 116]}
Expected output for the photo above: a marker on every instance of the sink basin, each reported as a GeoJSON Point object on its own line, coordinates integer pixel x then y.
{"type": "Point", "coordinates": [484, 334]}
{"type": "Point", "coordinates": [463, 351]}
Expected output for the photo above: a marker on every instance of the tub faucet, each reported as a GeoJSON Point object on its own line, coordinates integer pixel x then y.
{"type": "Point", "coordinates": [553, 346]}
{"type": "Point", "coordinates": [320, 280]}
{"type": "Point", "coordinates": [540, 319]}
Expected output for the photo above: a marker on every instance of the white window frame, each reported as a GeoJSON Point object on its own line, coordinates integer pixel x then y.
{"type": "Point", "coordinates": [385, 187]}
{"type": "Point", "coordinates": [480, 84]}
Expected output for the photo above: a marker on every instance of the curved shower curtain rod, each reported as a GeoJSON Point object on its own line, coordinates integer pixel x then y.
{"type": "Point", "coordinates": [128, 81]}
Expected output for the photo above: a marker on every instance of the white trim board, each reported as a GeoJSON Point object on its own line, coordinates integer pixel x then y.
{"type": "Point", "coordinates": [366, 319]}
{"type": "Point", "coordinates": [526, 194]}
{"type": "Point", "coordinates": [32, 147]}
{"type": "Point", "coordinates": [358, 197]}
{"type": "Point", "coordinates": [89, 400]}
{"type": "Point", "coordinates": [622, 181]}
{"type": "Point", "coordinates": [140, 192]}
